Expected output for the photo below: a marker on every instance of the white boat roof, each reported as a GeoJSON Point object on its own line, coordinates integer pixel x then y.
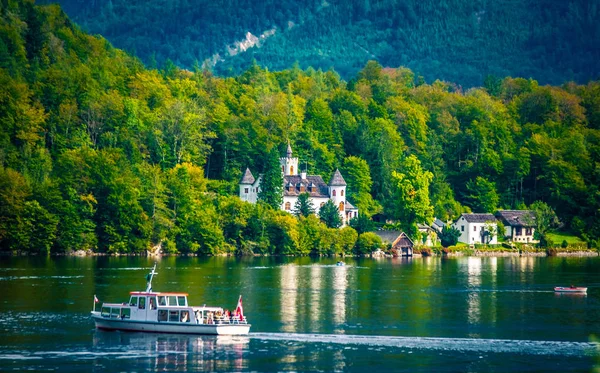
{"type": "Point", "coordinates": [155, 293]}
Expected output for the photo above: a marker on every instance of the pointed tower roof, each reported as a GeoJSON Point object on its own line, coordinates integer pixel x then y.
{"type": "Point", "coordinates": [247, 178]}
{"type": "Point", "coordinates": [289, 150]}
{"type": "Point", "coordinates": [337, 179]}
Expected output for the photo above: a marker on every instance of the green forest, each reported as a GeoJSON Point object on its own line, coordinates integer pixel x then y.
{"type": "Point", "coordinates": [454, 40]}
{"type": "Point", "coordinates": [99, 152]}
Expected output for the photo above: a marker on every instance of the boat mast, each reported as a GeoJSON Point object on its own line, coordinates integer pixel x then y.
{"type": "Point", "coordinates": [149, 279]}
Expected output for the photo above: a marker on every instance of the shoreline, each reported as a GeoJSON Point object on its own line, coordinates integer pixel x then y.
{"type": "Point", "coordinates": [374, 255]}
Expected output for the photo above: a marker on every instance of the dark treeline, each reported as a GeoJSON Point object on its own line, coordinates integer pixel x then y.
{"type": "Point", "coordinates": [461, 41]}
{"type": "Point", "coordinates": [97, 152]}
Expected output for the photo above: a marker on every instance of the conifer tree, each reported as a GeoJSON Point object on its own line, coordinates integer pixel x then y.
{"type": "Point", "coordinates": [330, 215]}
{"type": "Point", "coordinates": [304, 206]}
{"type": "Point", "coordinates": [271, 185]}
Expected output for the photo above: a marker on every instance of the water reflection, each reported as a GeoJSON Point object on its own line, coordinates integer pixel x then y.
{"type": "Point", "coordinates": [166, 352]}
{"type": "Point", "coordinates": [474, 281]}
{"type": "Point", "coordinates": [289, 298]}
{"type": "Point", "coordinates": [315, 295]}
{"type": "Point", "coordinates": [339, 285]}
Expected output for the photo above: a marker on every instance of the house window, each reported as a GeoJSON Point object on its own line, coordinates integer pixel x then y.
{"type": "Point", "coordinates": [342, 193]}
{"type": "Point", "coordinates": [462, 228]}
{"type": "Point", "coordinates": [474, 228]}
{"type": "Point", "coordinates": [342, 206]}
{"type": "Point", "coordinates": [302, 188]}
{"type": "Point", "coordinates": [283, 169]}
{"type": "Point", "coordinates": [333, 193]}
{"type": "Point", "coordinates": [288, 205]}
{"type": "Point", "coordinates": [528, 231]}
{"type": "Point", "coordinates": [246, 190]}
{"type": "Point", "coordinates": [518, 231]}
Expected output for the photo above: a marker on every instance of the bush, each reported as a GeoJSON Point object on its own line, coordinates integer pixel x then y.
{"type": "Point", "coordinates": [564, 244]}
{"type": "Point", "coordinates": [426, 251]}
{"type": "Point", "coordinates": [367, 243]}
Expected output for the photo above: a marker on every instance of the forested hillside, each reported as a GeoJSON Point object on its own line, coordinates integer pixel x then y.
{"type": "Point", "coordinates": [461, 41]}
{"type": "Point", "coordinates": [98, 152]}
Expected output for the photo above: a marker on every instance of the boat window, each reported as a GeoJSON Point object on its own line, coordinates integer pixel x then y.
{"type": "Point", "coordinates": [142, 303]}
{"type": "Point", "coordinates": [172, 300]}
{"type": "Point", "coordinates": [162, 301]}
{"type": "Point", "coordinates": [152, 303]}
{"type": "Point", "coordinates": [185, 316]}
{"type": "Point", "coordinates": [105, 312]}
{"type": "Point", "coordinates": [162, 315]}
{"type": "Point", "coordinates": [174, 316]}
{"type": "Point", "coordinates": [133, 301]}
{"type": "Point", "coordinates": [125, 313]}
{"type": "Point", "coordinates": [115, 312]}
{"type": "Point", "coordinates": [181, 301]}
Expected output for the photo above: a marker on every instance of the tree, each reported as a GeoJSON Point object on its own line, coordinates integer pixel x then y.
{"type": "Point", "coordinates": [271, 185]}
{"type": "Point", "coordinates": [330, 215]}
{"type": "Point", "coordinates": [367, 243]}
{"type": "Point", "coordinates": [411, 204]}
{"type": "Point", "coordinates": [362, 223]}
{"type": "Point", "coordinates": [357, 174]}
{"type": "Point", "coordinates": [449, 236]}
{"type": "Point", "coordinates": [545, 219]}
{"type": "Point", "coordinates": [304, 206]}
{"type": "Point", "coordinates": [481, 195]}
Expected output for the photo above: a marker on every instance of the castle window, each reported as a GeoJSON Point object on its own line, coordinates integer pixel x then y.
{"type": "Point", "coordinates": [246, 190]}
{"type": "Point", "coordinates": [341, 206]}
{"type": "Point", "coordinates": [291, 170]}
{"type": "Point", "coordinates": [333, 193]}
{"type": "Point", "coordinates": [288, 206]}
{"type": "Point", "coordinates": [342, 193]}
{"type": "Point", "coordinates": [283, 169]}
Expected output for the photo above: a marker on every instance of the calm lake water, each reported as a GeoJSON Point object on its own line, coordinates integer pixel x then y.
{"type": "Point", "coordinates": [425, 314]}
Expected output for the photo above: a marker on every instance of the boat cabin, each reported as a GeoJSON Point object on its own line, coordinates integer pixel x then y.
{"type": "Point", "coordinates": [166, 308]}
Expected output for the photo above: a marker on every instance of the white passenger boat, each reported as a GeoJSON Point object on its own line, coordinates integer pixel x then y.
{"type": "Point", "coordinates": [150, 311]}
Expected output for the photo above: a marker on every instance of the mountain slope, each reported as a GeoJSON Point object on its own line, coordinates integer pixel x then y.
{"type": "Point", "coordinates": [454, 40]}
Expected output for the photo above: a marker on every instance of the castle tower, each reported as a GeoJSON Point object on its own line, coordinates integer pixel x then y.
{"type": "Point", "coordinates": [289, 164]}
{"type": "Point", "coordinates": [337, 191]}
{"type": "Point", "coordinates": [247, 190]}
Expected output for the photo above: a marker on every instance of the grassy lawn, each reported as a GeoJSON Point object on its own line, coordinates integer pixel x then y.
{"type": "Point", "coordinates": [559, 237]}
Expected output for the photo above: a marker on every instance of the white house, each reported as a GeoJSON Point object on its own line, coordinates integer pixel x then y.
{"type": "Point", "coordinates": [294, 184]}
{"type": "Point", "coordinates": [477, 228]}
{"type": "Point", "coordinates": [519, 225]}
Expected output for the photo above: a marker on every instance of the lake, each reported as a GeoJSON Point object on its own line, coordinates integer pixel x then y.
{"type": "Point", "coordinates": [407, 315]}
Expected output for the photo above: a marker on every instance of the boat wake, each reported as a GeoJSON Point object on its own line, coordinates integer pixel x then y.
{"type": "Point", "coordinates": [527, 347]}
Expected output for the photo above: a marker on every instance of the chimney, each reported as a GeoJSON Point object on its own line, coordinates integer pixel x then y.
{"type": "Point", "coordinates": [303, 175]}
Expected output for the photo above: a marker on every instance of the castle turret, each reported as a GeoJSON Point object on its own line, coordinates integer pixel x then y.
{"type": "Point", "coordinates": [337, 191]}
{"type": "Point", "coordinates": [247, 192]}
{"type": "Point", "coordinates": [289, 164]}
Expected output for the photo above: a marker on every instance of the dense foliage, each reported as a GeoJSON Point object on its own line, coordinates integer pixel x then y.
{"type": "Point", "coordinates": [97, 152]}
{"type": "Point", "coordinates": [456, 40]}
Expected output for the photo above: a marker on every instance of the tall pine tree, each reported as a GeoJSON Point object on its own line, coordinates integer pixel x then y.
{"type": "Point", "coordinates": [271, 185]}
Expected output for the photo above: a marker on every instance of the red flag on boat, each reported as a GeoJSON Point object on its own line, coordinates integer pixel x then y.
{"type": "Point", "coordinates": [96, 299]}
{"type": "Point", "coordinates": [239, 310]}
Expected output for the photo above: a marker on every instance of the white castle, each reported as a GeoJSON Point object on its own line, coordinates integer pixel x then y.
{"type": "Point", "coordinates": [294, 184]}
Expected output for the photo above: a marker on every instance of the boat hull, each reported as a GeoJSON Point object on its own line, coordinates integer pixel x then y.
{"type": "Point", "coordinates": [570, 290]}
{"type": "Point", "coordinates": [165, 327]}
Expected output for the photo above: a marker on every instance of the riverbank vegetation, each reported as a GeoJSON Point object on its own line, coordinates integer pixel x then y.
{"type": "Point", "coordinates": [99, 153]}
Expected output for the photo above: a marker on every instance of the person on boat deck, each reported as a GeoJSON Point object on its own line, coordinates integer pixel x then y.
{"type": "Point", "coordinates": [152, 304]}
